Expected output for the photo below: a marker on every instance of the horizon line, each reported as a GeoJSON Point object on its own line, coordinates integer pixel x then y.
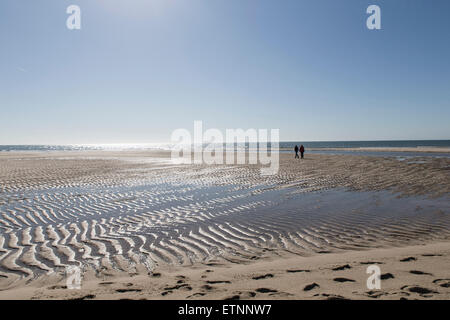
{"type": "Point", "coordinates": [168, 142]}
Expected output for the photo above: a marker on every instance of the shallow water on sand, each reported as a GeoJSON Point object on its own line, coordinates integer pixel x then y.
{"type": "Point", "coordinates": [394, 154]}
{"type": "Point", "coordinates": [153, 222]}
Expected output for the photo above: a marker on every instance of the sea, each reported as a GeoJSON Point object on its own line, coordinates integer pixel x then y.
{"type": "Point", "coordinates": [322, 147]}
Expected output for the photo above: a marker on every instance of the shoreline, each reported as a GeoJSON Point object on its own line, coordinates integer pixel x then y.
{"type": "Point", "coordinates": [423, 149]}
{"type": "Point", "coordinates": [389, 149]}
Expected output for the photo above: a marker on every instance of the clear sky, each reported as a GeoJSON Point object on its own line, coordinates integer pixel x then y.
{"type": "Point", "coordinates": [139, 69]}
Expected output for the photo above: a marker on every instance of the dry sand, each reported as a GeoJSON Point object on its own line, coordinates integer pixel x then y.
{"type": "Point", "coordinates": [415, 272]}
{"type": "Point", "coordinates": [128, 216]}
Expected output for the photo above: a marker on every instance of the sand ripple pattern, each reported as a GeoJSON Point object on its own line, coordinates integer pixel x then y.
{"type": "Point", "coordinates": [115, 214]}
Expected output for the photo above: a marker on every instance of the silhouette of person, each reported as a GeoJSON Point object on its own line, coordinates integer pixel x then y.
{"type": "Point", "coordinates": [302, 150]}
{"type": "Point", "coordinates": [296, 151]}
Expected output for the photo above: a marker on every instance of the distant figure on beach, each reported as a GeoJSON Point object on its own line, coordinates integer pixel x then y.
{"type": "Point", "coordinates": [296, 151]}
{"type": "Point", "coordinates": [302, 150]}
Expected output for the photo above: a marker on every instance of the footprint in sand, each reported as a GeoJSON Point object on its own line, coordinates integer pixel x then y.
{"type": "Point", "coordinates": [88, 296]}
{"type": "Point", "coordinates": [445, 283]}
{"type": "Point", "coordinates": [235, 297]}
{"type": "Point", "coordinates": [217, 281]}
{"type": "Point", "coordinates": [420, 272]}
{"type": "Point", "coordinates": [333, 296]}
{"type": "Point", "coordinates": [207, 287]}
{"type": "Point", "coordinates": [346, 266]}
{"type": "Point", "coordinates": [375, 294]}
{"type": "Point", "coordinates": [195, 295]}
{"type": "Point", "coordinates": [343, 280]}
{"type": "Point", "coordinates": [248, 294]}
{"type": "Point", "coordinates": [183, 286]}
{"type": "Point", "coordinates": [214, 264]}
{"type": "Point", "coordinates": [128, 290]}
{"type": "Point", "coordinates": [311, 286]}
{"type": "Point", "coordinates": [265, 290]}
{"type": "Point", "coordinates": [57, 287]}
{"type": "Point", "coordinates": [386, 276]}
{"type": "Point", "coordinates": [419, 290]}
{"type": "Point", "coordinates": [241, 295]}
{"type": "Point", "coordinates": [408, 259]}
{"type": "Point", "coordinates": [265, 276]}
{"type": "Point", "coordinates": [297, 270]}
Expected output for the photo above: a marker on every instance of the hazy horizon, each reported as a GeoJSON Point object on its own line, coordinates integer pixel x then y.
{"type": "Point", "coordinates": [138, 70]}
{"type": "Point", "coordinates": [283, 143]}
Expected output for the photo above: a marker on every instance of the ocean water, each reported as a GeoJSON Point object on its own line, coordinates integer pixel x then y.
{"type": "Point", "coordinates": [284, 146]}
{"type": "Point", "coordinates": [370, 144]}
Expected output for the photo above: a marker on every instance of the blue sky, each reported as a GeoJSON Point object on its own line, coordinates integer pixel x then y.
{"type": "Point", "coordinates": [139, 69]}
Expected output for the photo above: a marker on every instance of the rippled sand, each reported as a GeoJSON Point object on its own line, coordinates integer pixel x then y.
{"type": "Point", "coordinates": [136, 212]}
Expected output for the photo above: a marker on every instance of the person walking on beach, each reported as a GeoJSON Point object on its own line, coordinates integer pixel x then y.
{"type": "Point", "coordinates": [302, 150]}
{"type": "Point", "coordinates": [296, 151]}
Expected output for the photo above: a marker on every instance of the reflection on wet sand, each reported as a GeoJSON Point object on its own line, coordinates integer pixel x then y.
{"type": "Point", "coordinates": [110, 211]}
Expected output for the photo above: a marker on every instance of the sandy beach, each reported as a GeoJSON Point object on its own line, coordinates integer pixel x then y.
{"type": "Point", "coordinates": [224, 150]}
{"type": "Point", "coordinates": [415, 272]}
{"type": "Point", "coordinates": [141, 227]}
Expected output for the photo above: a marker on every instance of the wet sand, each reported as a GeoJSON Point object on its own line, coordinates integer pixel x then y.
{"type": "Point", "coordinates": [125, 217]}
{"type": "Point", "coordinates": [391, 149]}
